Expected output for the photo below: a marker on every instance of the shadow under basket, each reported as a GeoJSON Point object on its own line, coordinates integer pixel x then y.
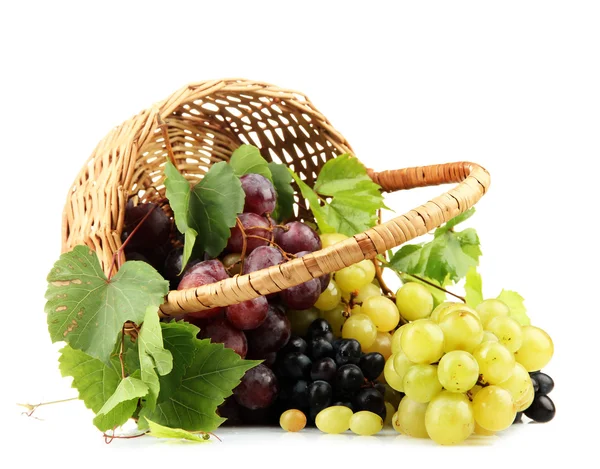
{"type": "Point", "coordinates": [206, 122]}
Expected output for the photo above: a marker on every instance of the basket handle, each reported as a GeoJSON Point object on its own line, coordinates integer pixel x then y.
{"type": "Point", "coordinates": [474, 182]}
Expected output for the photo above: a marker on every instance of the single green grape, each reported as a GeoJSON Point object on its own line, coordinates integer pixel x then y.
{"type": "Point", "coordinates": [334, 419]}
{"type": "Point", "coordinates": [232, 263]}
{"type": "Point", "coordinates": [507, 330]}
{"type": "Point", "coordinates": [414, 301]}
{"type": "Point", "coordinates": [489, 337]}
{"type": "Point", "coordinates": [525, 401]}
{"type": "Point", "coordinates": [392, 378]}
{"type": "Point", "coordinates": [361, 328]}
{"type": "Point", "coordinates": [441, 307]}
{"type": "Point", "coordinates": [491, 308]}
{"type": "Point", "coordinates": [382, 311]}
{"type": "Point", "coordinates": [518, 383]}
{"type": "Point", "coordinates": [330, 297]}
{"type": "Point", "coordinates": [458, 371]}
{"type": "Point", "coordinates": [329, 239]}
{"type": "Point", "coordinates": [462, 331]}
{"type": "Point", "coordinates": [354, 277]}
{"type": "Point", "coordinates": [449, 418]}
{"type": "Point", "coordinates": [423, 341]}
{"type": "Point", "coordinates": [494, 408]}
{"type": "Point", "coordinates": [366, 423]}
{"type": "Point", "coordinates": [382, 345]}
{"type": "Point", "coordinates": [336, 319]}
{"type": "Point", "coordinates": [401, 365]}
{"type": "Point", "coordinates": [301, 319]}
{"type": "Point", "coordinates": [536, 350]}
{"type": "Point", "coordinates": [292, 420]}
{"type": "Point", "coordinates": [496, 362]}
{"type": "Point", "coordinates": [421, 383]}
{"type": "Point", "coordinates": [455, 307]}
{"type": "Point", "coordinates": [410, 418]}
{"type": "Point", "coordinates": [396, 337]}
{"type": "Point", "coordinates": [367, 291]}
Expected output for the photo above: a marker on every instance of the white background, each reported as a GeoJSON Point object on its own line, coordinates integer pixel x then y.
{"type": "Point", "coordinates": [513, 85]}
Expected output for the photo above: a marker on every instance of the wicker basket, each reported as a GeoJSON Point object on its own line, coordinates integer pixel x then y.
{"type": "Point", "coordinates": [206, 122]}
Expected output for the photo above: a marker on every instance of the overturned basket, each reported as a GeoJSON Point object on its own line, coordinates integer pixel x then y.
{"type": "Point", "coordinates": [207, 121]}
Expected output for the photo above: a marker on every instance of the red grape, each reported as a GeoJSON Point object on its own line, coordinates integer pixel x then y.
{"type": "Point", "coordinates": [193, 279]}
{"type": "Point", "coordinates": [260, 194]}
{"type": "Point", "coordinates": [271, 335]}
{"type": "Point", "coordinates": [261, 258]}
{"type": "Point", "coordinates": [248, 314]}
{"type": "Point", "coordinates": [302, 296]}
{"type": "Point", "coordinates": [258, 388]}
{"type": "Point", "coordinates": [249, 220]}
{"type": "Point", "coordinates": [297, 237]}
{"type": "Point", "coordinates": [153, 232]}
{"type": "Point", "coordinates": [220, 331]}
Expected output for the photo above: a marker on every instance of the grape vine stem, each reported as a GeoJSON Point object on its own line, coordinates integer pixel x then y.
{"type": "Point", "coordinates": [32, 407]}
{"type": "Point", "coordinates": [421, 279]}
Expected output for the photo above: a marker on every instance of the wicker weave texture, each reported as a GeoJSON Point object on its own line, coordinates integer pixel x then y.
{"type": "Point", "coordinates": [206, 122]}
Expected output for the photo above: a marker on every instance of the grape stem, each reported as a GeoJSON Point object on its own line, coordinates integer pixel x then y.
{"type": "Point", "coordinates": [382, 284]}
{"type": "Point", "coordinates": [421, 279]}
{"type": "Point", "coordinates": [117, 255]}
{"type": "Point", "coordinates": [32, 407]}
{"type": "Point", "coordinates": [244, 243]}
{"type": "Point", "coordinates": [108, 439]}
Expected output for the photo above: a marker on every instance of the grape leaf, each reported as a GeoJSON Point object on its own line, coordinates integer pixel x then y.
{"type": "Point", "coordinates": [344, 200]}
{"type": "Point", "coordinates": [247, 159]}
{"type": "Point", "coordinates": [178, 191]}
{"type": "Point", "coordinates": [179, 339]}
{"type": "Point", "coordinates": [87, 310]}
{"type": "Point", "coordinates": [130, 388]}
{"type": "Point", "coordinates": [214, 373]}
{"type": "Point", "coordinates": [355, 198]}
{"type": "Point", "coordinates": [153, 357]}
{"type": "Point", "coordinates": [473, 288]}
{"type": "Point", "coordinates": [449, 255]}
{"type": "Point", "coordinates": [160, 431]}
{"type": "Point", "coordinates": [282, 181]}
{"type": "Point", "coordinates": [313, 200]}
{"type": "Point", "coordinates": [450, 224]}
{"type": "Point", "coordinates": [517, 307]}
{"type": "Point", "coordinates": [214, 205]}
{"type": "Point", "coordinates": [96, 382]}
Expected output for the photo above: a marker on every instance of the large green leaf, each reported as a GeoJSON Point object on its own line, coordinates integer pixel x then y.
{"type": "Point", "coordinates": [96, 382]}
{"type": "Point", "coordinates": [214, 205]}
{"type": "Point", "coordinates": [180, 340]}
{"type": "Point", "coordinates": [87, 310]}
{"type": "Point", "coordinates": [153, 356]}
{"type": "Point", "coordinates": [247, 159]}
{"type": "Point", "coordinates": [282, 180]}
{"type": "Point", "coordinates": [214, 373]}
{"type": "Point", "coordinates": [449, 255]}
{"type": "Point", "coordinates": [315, 206]}
{"type": "Point", "coordinates": [178, 192]}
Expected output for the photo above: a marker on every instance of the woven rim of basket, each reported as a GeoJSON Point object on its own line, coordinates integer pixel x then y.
{"type": "Point", "coordinates": [206, 121]}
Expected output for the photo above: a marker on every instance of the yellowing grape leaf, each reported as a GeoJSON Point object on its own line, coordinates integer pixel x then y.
{"type": "Point", "coordinates": [87, 310]}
